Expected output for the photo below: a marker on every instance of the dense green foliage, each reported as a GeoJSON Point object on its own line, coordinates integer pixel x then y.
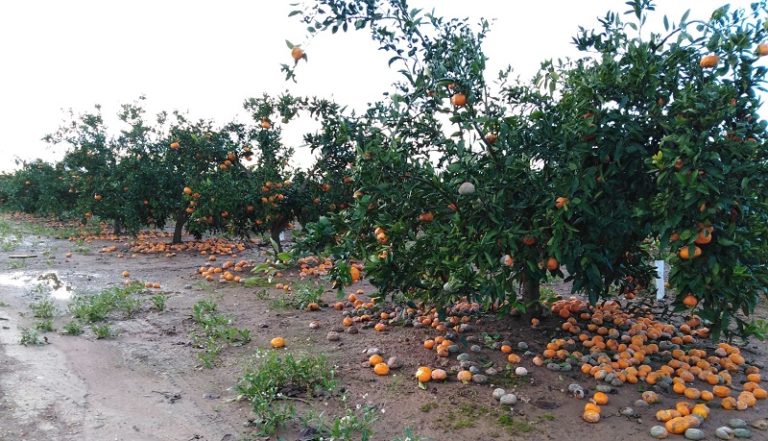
{"type": "Point", "coordinates": [233, 179]}
{"type": "Point", "coordinates": [478, 188]}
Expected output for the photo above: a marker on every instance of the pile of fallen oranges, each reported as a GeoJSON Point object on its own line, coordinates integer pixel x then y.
{"type": "Point", "coordinates": [616, 347]}
{"type": "Point", "coordinates": [313, 266]}
{"type": "Point", "coordinates": [213, 246]}
{"type": "Point", "coordinates": [226, 272]}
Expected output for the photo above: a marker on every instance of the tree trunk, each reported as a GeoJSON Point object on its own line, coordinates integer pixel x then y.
{"type": "Point", "coordinates": [274, 232]}
{"type": "Point", "coordinates": [531, 289]}
{"type": "Point", "coordinates": [118, 227]}
{"type": "Point", "coordinates": [179, 228]}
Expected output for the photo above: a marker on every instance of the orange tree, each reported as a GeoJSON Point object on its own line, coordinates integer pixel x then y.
{"type": "Point", "coordinates": [234, 178]}
{"type": "Point", "coordinates": [199, 167]}
{"type": "Point", "coordinates": [37, 187]}
{"type": "Point", "coordinates": [469, 189]}
{"type": "Point", "coordinates": [710, 168]}
{"type": "Point", "coordinates": [277, 194]}
{"type": "Point", "coordinates": [93, 164]}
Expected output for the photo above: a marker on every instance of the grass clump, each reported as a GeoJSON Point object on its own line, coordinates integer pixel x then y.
{"type": "Point", "coordinates": [44, 309]}
{"type": "Point", "coordinates": [217, 332]}
{"type": "Point", "coordinates": [97, 307]}
{"type": "Point", "coordinates": [30, 337]}
{"type": "Point", "coordinates": [158, 301]}
{"type": "Point", "coordinates": [409, 435]}
{"type": "Point", "coordinates": [45, 325]}
{"type": "Point", "coordinates": [348, 427]}
{"type": "Point", "coordinates": [73, 328]}
{"type": "Point", "coordinates": [299, 297]}
{"type": "Point", "coordinates": [103, 331]}
{"type": "Point", "coordinates": [277, 378]}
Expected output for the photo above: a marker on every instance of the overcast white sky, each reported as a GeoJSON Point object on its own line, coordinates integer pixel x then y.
{"type": "Point", "coordinates": [206, 57]}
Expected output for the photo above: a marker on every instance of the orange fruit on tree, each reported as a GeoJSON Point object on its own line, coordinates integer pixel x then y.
{"type": "Point", "coordinates": [685, 254]}
{"type": "Point", "coordinates": [552, 264]}
{"type": "Point", "coordinates": [187, 190]}
{"type": "Point", "coordinates": [381, 369]}
{"type": "Point", "coordinates": [175, 145]}
{"type": "Point", "coordinates": [762, 49]}
{"type": "Point", "coordinates": [490, 138]}
{"type": "Point", "coordinates": [265, 124]}
{"type": "Point", "coordinates": [704, 236]}
{"type": "Point", "coordinates": [529, 240]}
{"type": "Point", "coordinates": [355, 273]}
{"type": "Point", "coordinates": [297, 53]}
{"type": "Point", "coordinates": [423, 374]}
{"type": "Point", "coordinates": [459, 99]}
{"type": "Point", "coordinates": [690, 301]}
{"type": "Point", "coordinates": [709, 61]}
{"type": "Point", "coordinates": [561, 202]}
{"type": "Point", "coordinates": [426, 217]}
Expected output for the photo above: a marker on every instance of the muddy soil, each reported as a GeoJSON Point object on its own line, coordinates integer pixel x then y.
{"type": "Point", "coordinates": [147, 383]}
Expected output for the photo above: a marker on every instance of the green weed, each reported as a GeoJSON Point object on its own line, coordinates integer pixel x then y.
{"type": "Point", "coordinates": [351, 426]}
{"type": "Point", "coordinates": [264, 382]}
{"type": "Point", "coordinates": [302, 295]}
{"type": "Point", "coordinates": [158, 301]}
{"type": "Point", "coordinates": [256, 282]}
{"type": "Point", "coordinates": [217, 331]}
{"type": "Point", "coordinates": [30, 337]}
{"type": "Point", "coordinates": [97, 307]}
{"type": "Point", "coordinates": [45, 325]}
{"type": "Point", "coordinates": [103, 331]}
{"type": "Point", "coordinates": [427, 407]}
{"type": "Point", "coordinates": [44, 309]}
{"type": "Point", "coordinates": [513, 425]}
{"type": "Point", "coordinates": [73, 328]}
{"type": "Point", "coordinates": [408, 435]}
{"type": "Point", "coordinates": [17, 264]}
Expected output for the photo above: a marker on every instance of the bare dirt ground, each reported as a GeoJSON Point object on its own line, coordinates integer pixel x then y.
{"type": "Point", "coordinates": [147, 382]}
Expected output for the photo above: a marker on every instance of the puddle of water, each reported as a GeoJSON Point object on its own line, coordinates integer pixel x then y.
{"type": "Point", "coordinates": [49, 281]}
